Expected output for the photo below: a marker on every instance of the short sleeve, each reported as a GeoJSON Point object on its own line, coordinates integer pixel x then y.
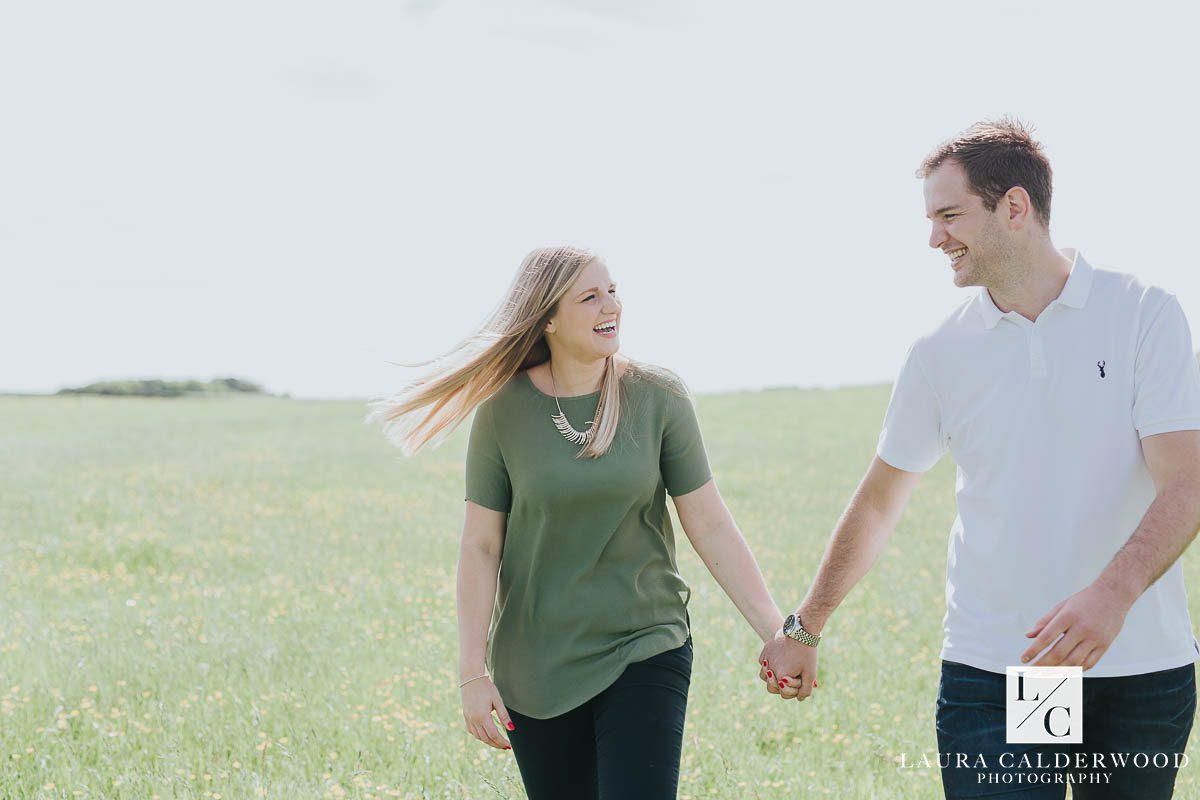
{"type": "Point", "coordinates": [1166, 380]}
{"type": "Point", "coordinates": [488, 484]}
{"type": "Point", "coordinates": [912, 438]}
{"type": "Point", "coordinates": [682, 460]}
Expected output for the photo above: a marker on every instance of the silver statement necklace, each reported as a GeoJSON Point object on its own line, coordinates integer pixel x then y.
{"type": "Point", "coordinates": [564, 427]}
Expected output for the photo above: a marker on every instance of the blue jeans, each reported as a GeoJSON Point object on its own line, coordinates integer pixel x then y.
{"type": "Point", "coordinates": [1137, 714]}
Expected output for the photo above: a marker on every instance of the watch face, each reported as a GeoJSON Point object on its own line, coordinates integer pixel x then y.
{"type": "Point", "coordinates": [789, 624]}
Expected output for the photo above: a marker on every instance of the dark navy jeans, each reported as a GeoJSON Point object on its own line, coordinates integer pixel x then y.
{"type": "Point", "coordinates": [623, 744]}
{"type": "Point", "coordinates": [1143, 716]}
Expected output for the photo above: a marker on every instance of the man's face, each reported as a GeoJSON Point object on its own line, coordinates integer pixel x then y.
{"type": "Point", "coordinates": [975, 240]}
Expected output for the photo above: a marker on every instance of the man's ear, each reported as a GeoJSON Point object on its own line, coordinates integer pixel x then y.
{"type": "Point", "coordinates": [1020, 209]}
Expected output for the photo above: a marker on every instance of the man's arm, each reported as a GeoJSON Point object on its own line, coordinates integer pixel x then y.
{"type": "Point", "coordinates": [856, 542]}
{"type": "Point", "coordinates": [1090, 619]}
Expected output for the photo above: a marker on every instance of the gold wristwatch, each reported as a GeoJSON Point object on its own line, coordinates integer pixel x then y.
{"type": "Point", "coordinates": [794, 629]}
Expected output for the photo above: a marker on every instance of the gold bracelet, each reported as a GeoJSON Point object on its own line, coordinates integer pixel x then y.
{"type": "Point", "coordinates": [468, 680]}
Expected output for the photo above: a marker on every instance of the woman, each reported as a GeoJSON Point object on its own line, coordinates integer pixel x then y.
{"type": "Point", "coordinates": [567, 547]}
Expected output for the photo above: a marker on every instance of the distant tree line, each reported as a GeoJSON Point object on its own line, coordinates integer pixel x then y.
{"type": "Point", "coordinates": [160, 388]}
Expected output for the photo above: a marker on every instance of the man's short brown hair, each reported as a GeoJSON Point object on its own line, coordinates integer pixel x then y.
{"type": "Point", "coordinates": [998, 155]}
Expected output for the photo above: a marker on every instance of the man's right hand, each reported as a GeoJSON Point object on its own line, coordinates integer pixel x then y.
{"type": "Point", "coordinates": [785, 661]}
{"type": "Point", "coordinates": [479, 699]}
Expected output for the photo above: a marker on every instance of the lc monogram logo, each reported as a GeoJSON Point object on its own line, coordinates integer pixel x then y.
{"type": "Point", "coordinates": [1044, 704]}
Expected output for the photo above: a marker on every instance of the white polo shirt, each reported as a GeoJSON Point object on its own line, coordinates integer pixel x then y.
{"type": "Point", "coordinates": [1044, 420]}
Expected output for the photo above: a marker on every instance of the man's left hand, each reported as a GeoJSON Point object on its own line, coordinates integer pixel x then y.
{"type": "Point", "coordinates": [1087, 621]}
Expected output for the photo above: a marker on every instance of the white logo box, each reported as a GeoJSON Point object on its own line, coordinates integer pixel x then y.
{"type": "Point", "coordinates": [1044, 705]}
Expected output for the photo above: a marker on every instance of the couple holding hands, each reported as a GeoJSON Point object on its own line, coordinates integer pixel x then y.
{"type": "Point", "coordinates": [1069, 397]}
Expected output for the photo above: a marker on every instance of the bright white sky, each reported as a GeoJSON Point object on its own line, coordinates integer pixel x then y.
{"type": "Point", "coordinates": [298, 192]}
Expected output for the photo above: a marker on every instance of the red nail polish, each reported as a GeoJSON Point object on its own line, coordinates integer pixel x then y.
{"type": "Point", "coordinates": [782, 681]}
{"type": "Point", "coordinates": [781, 684]}
{"type": "Point", "coordinates": [769, 674]}
{"type": "Point", "coordinates": [815, 684]}
{"type": "Point", "coordinates": [511, 727]}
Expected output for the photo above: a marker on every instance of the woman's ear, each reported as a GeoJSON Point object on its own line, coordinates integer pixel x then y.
{"type": "Point", "coordinates": [549, 326]}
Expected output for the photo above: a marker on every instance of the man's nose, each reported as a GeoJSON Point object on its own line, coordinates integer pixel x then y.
{"type": "Point", "coordinates": [937, 236]}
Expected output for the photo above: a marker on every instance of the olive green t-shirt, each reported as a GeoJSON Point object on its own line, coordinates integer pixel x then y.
{"type": "Point", "coordinates": [588, 579]}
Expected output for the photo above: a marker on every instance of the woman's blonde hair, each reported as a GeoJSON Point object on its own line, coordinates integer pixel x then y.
{"type": "Point", "coordinates": [427, 410]}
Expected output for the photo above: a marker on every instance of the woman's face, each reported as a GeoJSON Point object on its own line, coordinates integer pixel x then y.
{"type": "Point", "coordinates": [587, 322]}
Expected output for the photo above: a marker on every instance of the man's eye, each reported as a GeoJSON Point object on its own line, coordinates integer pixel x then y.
{"type": "Point", "coordinates": [949, 216]}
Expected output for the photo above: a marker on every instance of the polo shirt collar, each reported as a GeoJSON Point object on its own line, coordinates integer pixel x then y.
{"type": "Point", "coordinates": [1074, 293]}
{"type": "Point", "coordinates": [991, 314]}
{"type": "Point", "coordinates": [1079, 283]}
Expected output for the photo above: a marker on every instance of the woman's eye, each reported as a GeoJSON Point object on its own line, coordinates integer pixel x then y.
{"type": "Point", "coordinates": [589, 297]}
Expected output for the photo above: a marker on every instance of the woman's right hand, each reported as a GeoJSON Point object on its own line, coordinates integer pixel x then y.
{"type": "Point", "coordinates": [479, 699]}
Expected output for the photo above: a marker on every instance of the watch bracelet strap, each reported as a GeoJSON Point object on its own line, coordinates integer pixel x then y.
{"type": "Point", "coordinates": [803, 635]}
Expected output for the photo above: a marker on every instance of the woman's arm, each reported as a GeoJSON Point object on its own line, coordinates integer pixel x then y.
{"type": "Point", "coordinates": [716, 538]}
{"type": "Point", "coordinates": [478, 566]}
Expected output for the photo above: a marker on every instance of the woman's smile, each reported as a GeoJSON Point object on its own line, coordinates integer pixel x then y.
{"type": "Point", "coordinates": [606, 330]}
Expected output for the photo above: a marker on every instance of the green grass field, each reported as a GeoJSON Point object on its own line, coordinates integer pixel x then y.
{"type": "Point", "coordinates": [254, 597]}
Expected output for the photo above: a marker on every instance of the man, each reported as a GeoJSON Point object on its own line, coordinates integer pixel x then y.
{"type": "Point", "coordinates": [1070, 399]}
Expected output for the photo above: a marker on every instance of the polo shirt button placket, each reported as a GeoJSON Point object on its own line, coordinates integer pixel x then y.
{"type": "Point", "coordinates": [1037, 355]}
